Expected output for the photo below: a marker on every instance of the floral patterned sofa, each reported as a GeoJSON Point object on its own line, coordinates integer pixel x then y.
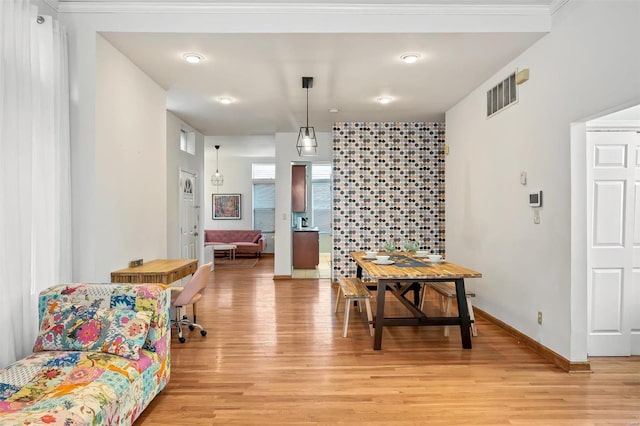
{"type": "Point", "coordinates": [102, 354]}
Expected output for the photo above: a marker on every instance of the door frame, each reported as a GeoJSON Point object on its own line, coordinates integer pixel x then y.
{"type": "Point", "coordinates": [605, 132]}
{"type": "Point", "coordinates": [578, 201]}
{"type": "Point", "coordinates": [197, 205]}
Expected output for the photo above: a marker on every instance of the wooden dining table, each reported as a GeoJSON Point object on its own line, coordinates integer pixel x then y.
{"type": "Point", "coordinates": [406, 273]}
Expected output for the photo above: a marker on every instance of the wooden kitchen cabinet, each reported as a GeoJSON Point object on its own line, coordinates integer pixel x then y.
{"type": "Point", "coordinates": [306, 249]}
{"type": "Point", "coordinates": [298, 188]}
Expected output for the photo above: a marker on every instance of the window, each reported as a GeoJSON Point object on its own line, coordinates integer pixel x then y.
{"type": "Point", "coordinates": [321, 196]}
{"type": "Point", "coordinates": [264, 196]}
{"type": "Point", "coordinates": [188, 141]}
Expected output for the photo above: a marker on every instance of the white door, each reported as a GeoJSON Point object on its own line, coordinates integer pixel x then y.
{"type": "Point", "coordinates": [189, 217]}
{"type": "Point", "coordinates": [613, 235]}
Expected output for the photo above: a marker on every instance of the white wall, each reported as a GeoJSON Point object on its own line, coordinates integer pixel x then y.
{"type": "Point", "coordinates": [177, 160]}
{"type": "Point", "coordinates": [587, 65]}
{"type": "Point", "coordinates": [130, 216]}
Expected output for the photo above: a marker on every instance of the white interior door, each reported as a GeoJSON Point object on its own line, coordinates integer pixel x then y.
{"type": "Point", "coordinates": [613, 235]}
{"type": "Point", "coordinates": [188, 215]}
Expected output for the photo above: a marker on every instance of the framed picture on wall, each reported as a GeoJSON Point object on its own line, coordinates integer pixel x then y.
{"type": "Point", "coordinates": [226, 206]}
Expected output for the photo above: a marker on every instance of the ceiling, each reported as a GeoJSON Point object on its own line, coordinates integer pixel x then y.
{"type": "Point", "coordinates": [263, 72]}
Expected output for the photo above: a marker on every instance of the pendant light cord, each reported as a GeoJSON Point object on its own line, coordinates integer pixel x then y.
{"type": "Point", "coordinates": [307, 108]}
{"type": "Point", "coordinates": [217, 158]}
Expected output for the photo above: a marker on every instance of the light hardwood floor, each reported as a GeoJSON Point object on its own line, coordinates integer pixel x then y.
{"type": "Point", "coordinates": [274, 355]}
{"type": "Point", "coordinates": [323, 270]}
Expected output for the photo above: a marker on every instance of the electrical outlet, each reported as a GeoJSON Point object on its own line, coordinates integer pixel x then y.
{"type": "Point", "coordinates": [540, 317]}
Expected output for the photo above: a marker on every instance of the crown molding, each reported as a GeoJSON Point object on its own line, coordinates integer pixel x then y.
{"type": "Point", "coordinates": [556, 5]}
{"type": "Point", "coordinates": [53, 4]}
{"type": "Point", "coordinates": [294, 8]}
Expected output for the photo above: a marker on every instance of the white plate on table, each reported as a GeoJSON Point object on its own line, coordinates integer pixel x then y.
{"type": "Point", "coordinates": [436, 261]}
{"type": "Point", "coordinates": [385, 262]}
{"type": "Point", "coordinates": [368, 257]}
{"type": "Point", "coordinates": [422, 257]}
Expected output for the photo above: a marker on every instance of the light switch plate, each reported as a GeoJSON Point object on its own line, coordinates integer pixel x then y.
{"type": "Point", "coordinates": [536, 217]}
{"type": "Point", "coordinates": [523, 178]}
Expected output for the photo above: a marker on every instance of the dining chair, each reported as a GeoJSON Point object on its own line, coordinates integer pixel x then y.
{"type": "Point", "coordinates": [190, 294]}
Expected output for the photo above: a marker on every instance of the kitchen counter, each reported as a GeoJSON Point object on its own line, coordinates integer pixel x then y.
{"type": "Point", "coordinates": [306, 229]}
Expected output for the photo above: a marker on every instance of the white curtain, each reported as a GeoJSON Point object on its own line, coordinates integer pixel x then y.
{"type": "Point", "coordinates": [35, 217]}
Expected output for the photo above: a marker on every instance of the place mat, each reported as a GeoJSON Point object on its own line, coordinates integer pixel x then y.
{"type": "Point", "coordinates": [407, 262]}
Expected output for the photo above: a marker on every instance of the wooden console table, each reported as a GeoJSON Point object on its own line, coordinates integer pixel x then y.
{"type": "Point", "coordinates": [163, 271]}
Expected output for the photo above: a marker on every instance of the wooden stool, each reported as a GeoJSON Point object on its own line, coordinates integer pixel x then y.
{"type": "Point", "coordinates": [447, 292]}
{"type": "Point", "coordinates": [353, 289]}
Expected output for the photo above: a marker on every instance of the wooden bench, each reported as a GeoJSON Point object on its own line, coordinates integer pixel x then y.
{"type": "Point", "coordinates": [353, 290]}
{"type": "Point", "coordinates": [447, 293]}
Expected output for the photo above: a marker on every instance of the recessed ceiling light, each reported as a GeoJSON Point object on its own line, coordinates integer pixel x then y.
{"type": "Point", "coordinates": [193, 58]}
{"type": "Point", "coordinates": [410, 58]}
{"type": "Point", "coordinates": [224, 100]}
{"type": "Point", "coordinates": [384, 99]}
{"type": "Point", "coordinates": [334, 110]}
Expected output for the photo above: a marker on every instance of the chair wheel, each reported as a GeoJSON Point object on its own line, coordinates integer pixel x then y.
{"type": "Point", "coordinates": [182, 339]}
{"type": "Point", "coordinates": [191, 327]}
{"type": "Point", "coordinates": [203, 332]}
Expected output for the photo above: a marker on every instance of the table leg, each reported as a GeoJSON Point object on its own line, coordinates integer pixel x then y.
{"type": "Point", "coordinates": [379, 321]}
{"type": "Point", "coordinates": [416, 293]}
{"type": "Point", "coordinates": [463, 311]}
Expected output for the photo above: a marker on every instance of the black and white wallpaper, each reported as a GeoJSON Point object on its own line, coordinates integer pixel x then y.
{"type": "Point", "coordinates": [388, 186]}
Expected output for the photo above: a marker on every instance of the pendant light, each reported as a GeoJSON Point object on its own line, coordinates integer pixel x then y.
{"type": "Point", "coordinates": [217, 179]}
{"type": "Point", "coordinates": [307, 143]}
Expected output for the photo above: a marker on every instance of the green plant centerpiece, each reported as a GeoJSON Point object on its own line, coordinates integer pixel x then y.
{"type": "Point", "coordinates": [410, 246]}
{"type": "Point", "coordinates": [390, 246]}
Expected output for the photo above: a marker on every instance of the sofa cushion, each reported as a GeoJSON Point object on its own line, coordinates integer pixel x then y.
{"type": "Point", "coordinates": [137, 297]}
{"type": "Point", "coordinates": [69, 388]}
{"type": "Point", "coordinates": [227, 236]}
{"type": "Point", "coordinates": [215, 243]}
{"type": "Point", "coordinates": [91, 329]}
{"type": "Point", "coordinates": [245, 244]}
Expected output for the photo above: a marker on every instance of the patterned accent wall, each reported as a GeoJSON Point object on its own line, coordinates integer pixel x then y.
{"type": "Point", "coordinates": [388, 186]}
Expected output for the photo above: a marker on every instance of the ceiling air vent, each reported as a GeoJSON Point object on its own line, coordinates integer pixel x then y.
{"type": "Point", "coordinates": [502, 95]}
